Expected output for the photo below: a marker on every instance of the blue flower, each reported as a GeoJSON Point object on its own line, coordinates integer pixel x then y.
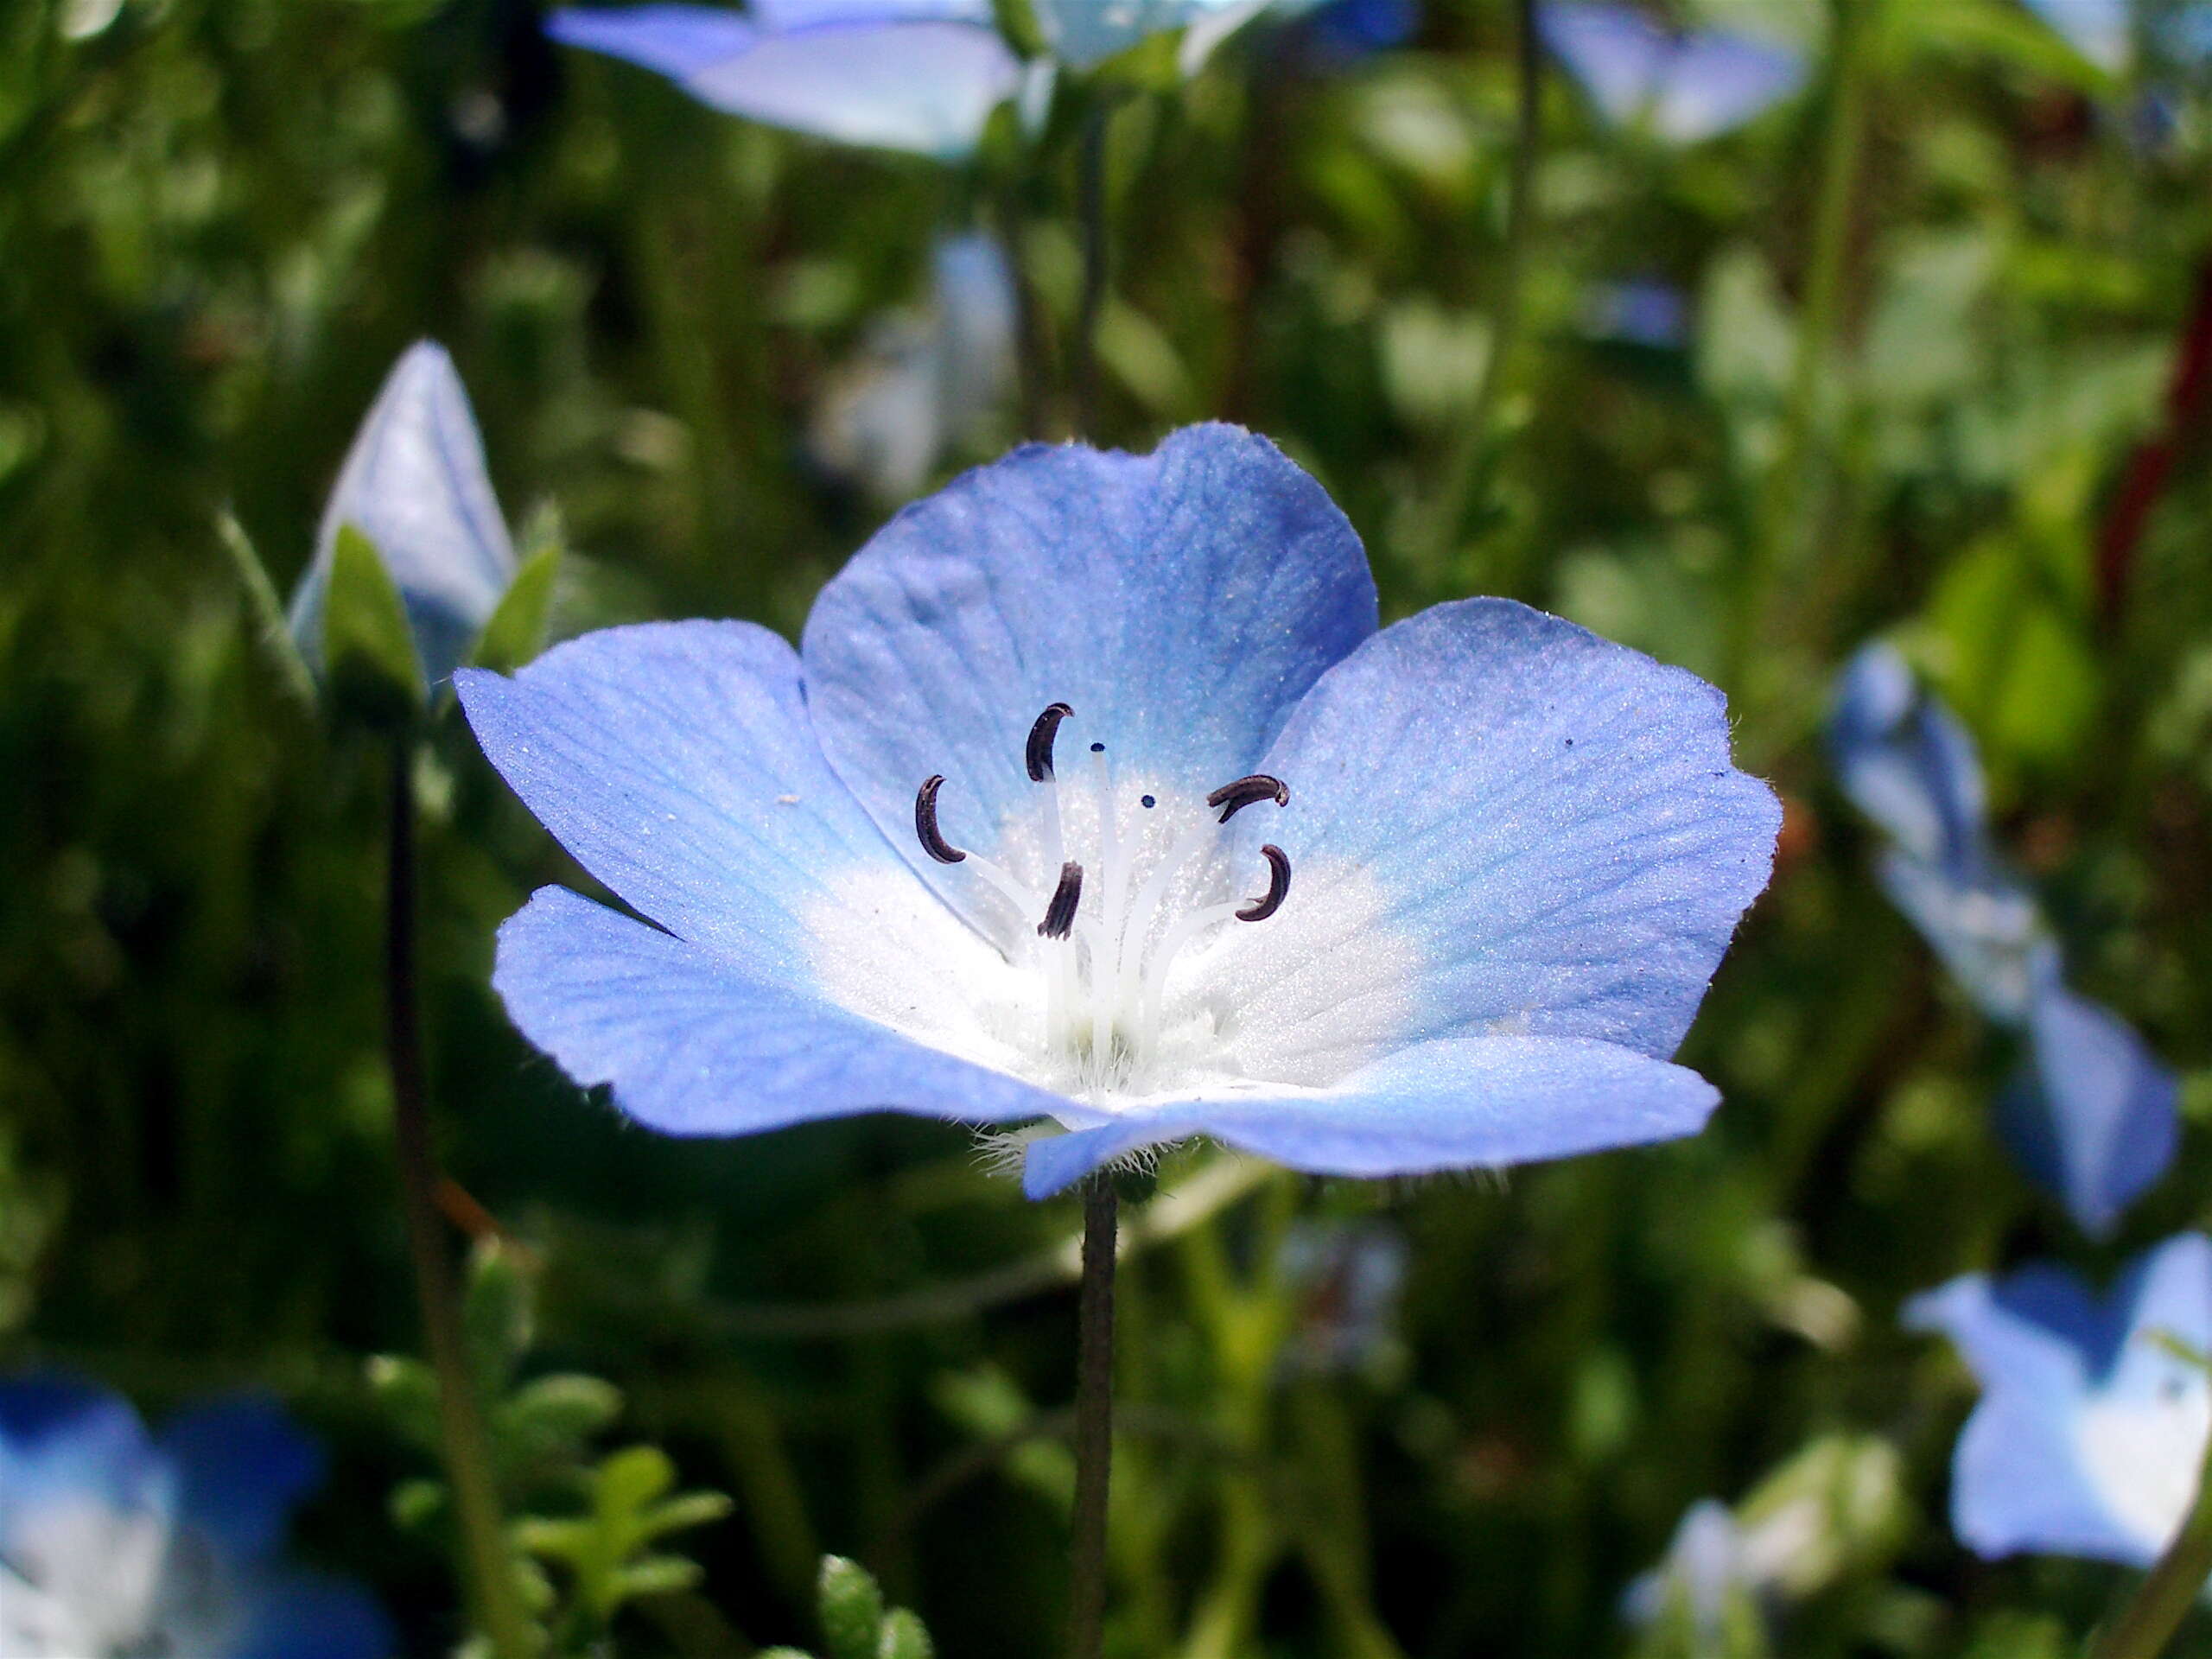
{"type": "Point", "coordinates": [115, 1543]}
{"type": "Point", "coordinates": [920, 75]}
{"type": "Point", "coordinates": [2091, 1114]}
{"type": "Point", "coordinates": [1640, 312]}
{"type": "Point", "coordinates": [1443, 895]}
{"type": "Point", "coordinates": [1684, 87]}
{"type": "Point", "coordinates": [415, 484]}
{"type": "Point", "coordinates": [2091, 1427]}
{"type": "Point", "coordinates": [1085, 33]}
{"type": "Point", "coordinates": [1706, 1580]}
{"type": "Point", "coordinates": [926, 383]}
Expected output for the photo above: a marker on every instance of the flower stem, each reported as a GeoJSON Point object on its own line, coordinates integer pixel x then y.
{"type": "Point", "coordinates": [2169, 1589]}
{"type": "Point", "coordinates": [467, 1453]}
{"type": "Point", "coordinates": [1465, 469]}
{"type": "Point", "coordinates": [1090, 208]}
{"type": "Point", "coordinates": [1776, 533]}
{"type": "Point", "coordinates": [1094, 1419]}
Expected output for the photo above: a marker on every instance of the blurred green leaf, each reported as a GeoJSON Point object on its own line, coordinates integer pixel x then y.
{"type": "Point", "coordinates": [369, 663]}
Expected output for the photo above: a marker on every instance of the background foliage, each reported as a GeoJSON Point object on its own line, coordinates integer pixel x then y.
{"type": "Point", "coordinates": [222, 220]}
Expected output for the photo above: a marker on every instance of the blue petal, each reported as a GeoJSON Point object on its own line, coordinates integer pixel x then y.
{"type": "Point", "coordinates": [1084, 33]}
{"type": "Point", "coordinates": [806, 14]}
{"type": "Point", "coordinates": [2036, 1332]}
{"type": "Point", "coordinates": [1716, 83]}
{"type": "Point", "coordinates": [1615, 52]}
{"type": "Point", "coordinates": [1986, 929]}
{"type": "Point", "coordinates": [1553, 820]}
{"type": "Point", "coordinates": [305, 1617]}
{"type": "Point", "coordinates": [1455, 1104]}
{"type": "Point", "coordinates": [2091, 1115]}
{"type": "Point", "coordinates": [60, 1438]}
{"type": "Point", "coordinates": [693, 1042]}
{"type": "Point", "coordinates": [921, 77]}
{"type": "Point", "coordinates": [243, 1464]}
{"type": "Point", "coordinates": [415, 484]}
{"type": "Point", "coordinates": [2101, 30]}
{"type": "Point", "coordinates": [1905, 761]}
{"type": "Point", "coordinates": [1352, 27]}
{"type": "Point", "coordinates": [1180, 602]}
{"type": "Point", "coordinates": [674, 761]}
{"type": "Point", "coordinates": [2018, 1488]}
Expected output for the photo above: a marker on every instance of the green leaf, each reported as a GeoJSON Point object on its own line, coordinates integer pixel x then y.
{"type": "Point", "coordinates": [631, 1478]}
{"type": "Point", "coordinates": [656, 1575]}
{"type": "Point", "coordinates": [272, 630]}
{"type": "Point", "coordinates": [684, 1509]}
{"type": "Point", "coordinates": [497, 1316]}
{"type": "Point", "coordinates": [852, 1609]}
{"type": "Point", "coordinates": [552, 1416]}
{"type": "Point", "coordinates": [516, 631]}
{"type": "Point", "coordinates": [368, 654]}
{"type": "Point", "coordinates": [406, 1391]}
{"type": "Point", "coordinates": [903, 1637]}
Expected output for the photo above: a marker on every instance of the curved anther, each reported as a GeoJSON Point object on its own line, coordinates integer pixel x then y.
{"type": "Point", "coordinates": [1278, 886]}
{"type": "Point", "coordinates": [1041, 734]}
{"type": "Point", "coordinates": [1059, 915]}
{"type": "Point", "coordinates": [932, 838]}
{"type": "Point", "coordinates": [1233, 799]}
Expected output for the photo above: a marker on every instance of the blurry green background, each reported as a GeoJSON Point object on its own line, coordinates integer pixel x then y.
{"type": "Point", "coordinates": [222, 220]}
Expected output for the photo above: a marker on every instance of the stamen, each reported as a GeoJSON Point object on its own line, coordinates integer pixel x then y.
{"type": "Point", "coordinates": [1059, 915]}
{"type": "Point", "coordinates": [932, 839]}
{"type": "Point", "coordinates": [1233, 799]}
{"type": "Point", "coordinates": [1278, 886]}
{"type": "Point", "coordinates": [1040, 740]}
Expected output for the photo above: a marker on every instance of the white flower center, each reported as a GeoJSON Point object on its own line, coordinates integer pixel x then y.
{"type": "Point", "coordinates": [1114, 947]}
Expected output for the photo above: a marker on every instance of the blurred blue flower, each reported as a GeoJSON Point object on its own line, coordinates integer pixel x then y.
{"type": "Point", "coordinates": [2092, 1114]}
{"type": "Point", "coordinates": [882, 879]}
{"type": "Point", "coordinates": [1642, 312]}
{"type": "Point", "coordinates": [1707, 1578]}
{"type": "Point", "coordinates": [1681, 86]}
{"type": "Point", "coordinates": [1085, 33]}
{"type": "Point", "coordinates": [2103, 31]}
{"type": "Point", "coordinates": [1345, 28]}
{"type": "Point", "coordinates": [114, 1543]}
{"type": "Point", "coordinates": [925, 383]}
{"type": "Point", "coordinates": [920, 75]}
{"type": "Point", "coordinates": [415, 484]}
{"type": "Point", "coordinates": [2091, 1427]}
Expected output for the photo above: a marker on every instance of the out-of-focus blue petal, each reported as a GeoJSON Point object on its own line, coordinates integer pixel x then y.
{"type": "Point", "coordinates": [806, 14]}
{"type": "Point", "coordinates": [1688, 87]}
{"type": "Point", "coordinates": [415, 484]}
{"type": "Point", "coordinates": [60, 1436]}
{"type": "Point", "coordinates": [2038, 1331]}
{"type": "Point", "coordinates": [674, 761]}
{"type": "Point", "coordinates": [920, 77]}
{"type": "Point", "coordinates": [1349, 27]}
{"type": "Point", "coordinates": [1085, 33]}
{"type": "Point", "coordinates": [2092, 1114]}
{"type": "Point", "coordinates": [1643, 313]}
{"type": "Point", "coordinates": [1453, 1103]}
{"type": "Point", "coordinates": [1704, 1565]}
{"type": "Point", "coordinates": [694, 1042]}
{"type": "Point", "coordinates": [1552, 819]}
{"type": "Point", "coordinates": [1906, 762]}
{"type": "Point", "coordinates": [2101, 30]}
{"type": "Point", "coordinates": [1181, 602]}
{"type": "Point", "coordinates": [1987, 931]}
{"type": "Point", "coordinates": [305, 1617]}
{"type": "Point", "coordinates": [242, 1465]}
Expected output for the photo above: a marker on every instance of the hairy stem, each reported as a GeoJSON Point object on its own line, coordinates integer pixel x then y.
{"type": "Point", "coordinates": [467, 1453]}
{"type": "Point", "coordinates": [1094, 1420]}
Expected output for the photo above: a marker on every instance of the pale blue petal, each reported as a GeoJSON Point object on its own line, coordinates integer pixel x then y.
{"type": "Point", "coordinates": [1455, 1104]}
{"type": "Point", "coordinates": [1715, 83]}
{"type": "Point", "coordinates": [60, 1438]}
{"type": "Point", "coordinates": [2038, 1332]}
{"type": "Point", "coordinates": [2091, 1115]}
{"type": "Point", "coordinates": [675, 762]}
{"type": "Point", "coordinates": [308, 1617]}
{"type": "Point", "coordinates": [2018, 1488]}
{"type": "Point", "coordinates": [1987, 931]}
{"type": "Point", "coordinates": [242, 1465]}
{"type": "Point", "coordinates": [1906, 762]}
{"type": "Point", "coordinates": [415, 484]}
{"type": "Point", "coordinates": [806, 14]}
{"type": "Point", "coordinates": [1552, 820]}
{"type": "Point", "coordinates": [1704, 1565]}
{"type": "Point", "coordinates": [677, 41]}
{"type": "Point", "coordinates": [2101, 30]}
{"type": "Point", "coordinates": [695, 1043]}
{"type": "Point", "coordinates": [1181, 602]}
{"type": "Point", "coordinates": [1614, 53]}
{"type": "Point", "coordinates": [1085, 33]}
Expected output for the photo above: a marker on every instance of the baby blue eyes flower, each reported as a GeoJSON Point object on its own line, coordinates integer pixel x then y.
{"type": "Point", "coordinates": [415, 485]}
{"type": "Point", "coordinates": [1093, 795]}
{"type": "Point", "coordinates": [925, 383]}
{"type": "Point", "coordinates": [1684, 87]}
{"type": "Point", "coordinates": [920, 75]}
{"type": "Point", "coordinates": [2091, 1113]}
{"type": "Point", "coordinates": [2091, 1427]}
{"type": "Point", "coordinates": [114, 1543]}
{"type": "Point", "coordinates": [1706, 1581]}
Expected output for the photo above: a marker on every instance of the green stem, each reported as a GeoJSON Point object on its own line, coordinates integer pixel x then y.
{"type": "Point", "coordinates": [1775, 535]}
{"type": "Point", "coordinates": [468, 1452]}
{"type": "Point", "coordinates": [1464, 470]}
{"type": "Point", "coordinates": [1094, 1420]}
{"type": "Point", "coordinates": [2169, 1589]}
